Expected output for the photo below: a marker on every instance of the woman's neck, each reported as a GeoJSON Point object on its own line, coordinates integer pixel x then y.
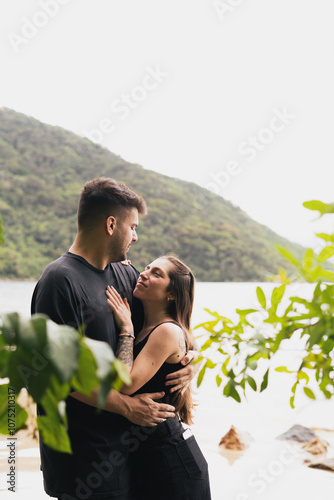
{"type": "Point", "coordinates": [154, 316]}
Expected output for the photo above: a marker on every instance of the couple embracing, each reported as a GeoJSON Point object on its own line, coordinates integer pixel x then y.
{"type": "Point", "coordinates": [137, 447]}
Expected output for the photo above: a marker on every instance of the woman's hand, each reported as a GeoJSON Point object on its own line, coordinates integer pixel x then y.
{"type": "Point", "coordinates": [120, 309]}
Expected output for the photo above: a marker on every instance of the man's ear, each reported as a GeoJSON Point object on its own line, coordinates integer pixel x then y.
{"type": "Point", "coordinates": [110, 224]}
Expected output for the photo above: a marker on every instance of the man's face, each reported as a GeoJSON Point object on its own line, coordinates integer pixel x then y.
{"type": "Point", "coordinates": [124, 234]}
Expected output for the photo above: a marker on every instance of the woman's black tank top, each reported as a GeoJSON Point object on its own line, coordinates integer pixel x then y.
{"type": "Point", "coordinates": [157, 382]}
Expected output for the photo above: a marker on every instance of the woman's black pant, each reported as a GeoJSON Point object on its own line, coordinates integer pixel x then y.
{"type": "Point", "coordinates": [168, 466]}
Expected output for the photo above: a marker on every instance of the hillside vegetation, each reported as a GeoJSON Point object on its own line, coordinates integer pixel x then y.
{"type": "Point", "coordinates": [42, 170]}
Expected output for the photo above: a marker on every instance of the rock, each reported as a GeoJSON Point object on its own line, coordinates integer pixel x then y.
{"type": "Point", "coordinates": [327, 464]}
{"type": "Point", "coordinates": [235, 440]}
{"type": "Point", "coordinates": [316, 447]}
{"type": "Point", "coordinates": [298, 433]}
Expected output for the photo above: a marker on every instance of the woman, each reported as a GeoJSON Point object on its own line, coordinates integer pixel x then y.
{"type": "Point", "coordinates": [167, 462]}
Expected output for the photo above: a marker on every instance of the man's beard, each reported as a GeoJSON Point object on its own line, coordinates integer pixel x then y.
{"type": "Point", "coordinates": [117, 254]}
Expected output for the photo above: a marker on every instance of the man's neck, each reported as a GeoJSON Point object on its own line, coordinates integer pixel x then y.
{"type": "Point", "coordinates": [92, 253]}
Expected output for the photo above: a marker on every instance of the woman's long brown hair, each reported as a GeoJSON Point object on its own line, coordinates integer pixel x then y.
{"type": "Point", "coordinates": [182, 287]}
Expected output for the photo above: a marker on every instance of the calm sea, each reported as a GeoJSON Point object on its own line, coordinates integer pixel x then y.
{"type": "Point", "coordinates": [267, 470]}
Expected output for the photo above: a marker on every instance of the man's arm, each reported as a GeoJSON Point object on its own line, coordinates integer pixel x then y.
{"type": "Point", "coordinates": [140, 409]}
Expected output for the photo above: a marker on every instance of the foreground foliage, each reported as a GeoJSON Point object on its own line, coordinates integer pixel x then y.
{"type": "Point", "coordinates": [50, 361]}
{"type": "Point", "coordinates": [235, 349]}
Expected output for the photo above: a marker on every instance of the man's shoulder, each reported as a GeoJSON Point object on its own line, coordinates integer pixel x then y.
{"type": "Point", "coordinates": [59, 268]}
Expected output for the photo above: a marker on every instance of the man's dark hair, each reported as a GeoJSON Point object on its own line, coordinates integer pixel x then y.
{"type": "Point", "coordinates": [103, 197]}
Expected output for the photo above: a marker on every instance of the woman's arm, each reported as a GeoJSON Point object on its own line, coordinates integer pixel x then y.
{"type": "Point", "coordinates": [166, 340]}
{"type": "Point", "coordinates": [122, 315]}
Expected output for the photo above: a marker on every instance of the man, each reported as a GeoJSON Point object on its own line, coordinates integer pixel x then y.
{"type": "Point", "coordinates": [71, 291]}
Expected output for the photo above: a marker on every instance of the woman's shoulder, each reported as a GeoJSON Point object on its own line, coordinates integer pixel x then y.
{"type": "Point", "coordinates": [168, 331]}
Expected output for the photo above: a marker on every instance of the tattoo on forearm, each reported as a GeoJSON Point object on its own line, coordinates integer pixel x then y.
{"type": "Point", "coordinates": [125, 351]}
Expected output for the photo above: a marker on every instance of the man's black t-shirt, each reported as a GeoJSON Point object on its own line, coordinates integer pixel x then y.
{"type": "Point", "coordinates": [72, 292]}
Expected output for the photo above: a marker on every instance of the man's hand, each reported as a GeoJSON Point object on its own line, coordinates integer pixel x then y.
{"type": "Point", "coordinates": [182, 378]}
{"type": "Point", "coordinates": [143, 410]}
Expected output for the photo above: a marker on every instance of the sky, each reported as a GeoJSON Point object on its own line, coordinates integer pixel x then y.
{"type": "Point", "coordinates": [234, 95]}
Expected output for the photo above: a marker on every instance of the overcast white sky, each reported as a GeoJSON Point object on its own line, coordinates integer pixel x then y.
{"type": "Point", "coordinates": [235, 95]}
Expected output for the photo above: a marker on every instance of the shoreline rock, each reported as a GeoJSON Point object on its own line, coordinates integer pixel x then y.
{"type": "Point", "coordinates": [298, 433]}
{"type": "Point", "coordinates": [235, 440]}
{"type": "Point", "coordinates": [316, 447]}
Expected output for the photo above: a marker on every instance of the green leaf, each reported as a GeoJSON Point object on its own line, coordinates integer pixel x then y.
{"type": "Point", "coordinates": [206, 345]}
{"type": "Point", "coordinates": [201, 375]}
{"type": "Point", "coordinates": [5, 354]}
{"type": "Point", "coordinates": [293, 390]}
{"type": "Point", "coordinates": [325, 254]}
{"type": "Point", "coordinates": [316, 333]}
{"type": "Point", "coordinates": [230, 391]}
{"type": "Point", "coordinates": [85, 379]}
{"type": "Point", "coordinates": [208, 326]}
{"type": "Point", "coordinates": [210, 364]}
{"type": "Point", "coordinates": [9, 414]}
{"type": "Point", "coordinates": [252, 364]}
{"type": "Point", "coordinates": [29, 369]}
{"type": "Point", "coordinates": [235, 395]}
{"type": "Point", "coordinates": [302, 375]}
{"type": "Point", "coordinates": [277, 295]}
{"type": "Point", "coordinates": [319, 273]}
{"type": "Point", "coordinates": [63, 350]}
{"type": "Point", "coordinates": [224, 366]}
{"type": "Point", "coordinates": [309, 393]}
{"type": "Point", "coordinates": [226, 390]}
{"type": "Point", "coordinates": [328, 345]}
{"type": "Point", "coordinates": [198, 360]}
{"type": "Point", "coordinates": [264, 381]}
{"type": "Point", "coordinates": [282, 369]}
{"type": "Point", "coordinates": [10, 327]}
{"type": "Point", "coordinates": [308, 259]}
{"type": "Point", "coordinates": [50, 405]}
{"type": "Point", "coordinates": [122, 371]}
{"type": "Point", "coordinates": [329, 238]}
{"type": "Point", "coordinates": [252, 383]}
{"type": "Point", "coordinates": [54, 434]}
{"type": "Point", "coordinates": [218, 380]}
{"type": "Point", "coordinates": [323, 208]}
{"type": "Point", "coordinates": [261, 297]}
{"type": "Point", "coordinates": [245, 312]}
{"type": "Point", "coordinates": [104, 358]}
{"type": "Point", "coordinates": [287, 255]}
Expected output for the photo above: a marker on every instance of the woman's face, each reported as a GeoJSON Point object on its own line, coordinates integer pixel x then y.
{"type": "Point", "coordinates": [154, 281]}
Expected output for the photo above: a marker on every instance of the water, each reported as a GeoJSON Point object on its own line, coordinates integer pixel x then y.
{"type": "Point", "coordinates": [268, 469]}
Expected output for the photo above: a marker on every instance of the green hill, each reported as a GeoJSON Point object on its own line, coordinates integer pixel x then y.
{"type": "Point", "coordinates": [42, 169]}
